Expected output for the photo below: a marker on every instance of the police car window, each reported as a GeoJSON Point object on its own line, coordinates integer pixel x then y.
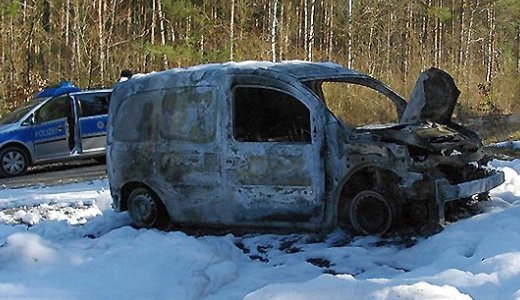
{"type": "Point", "coordinates": [15, 115]}
{"type": "Point", "coordinates": [56, 108]}
{"type": "Point", "coordinates": [93, 104]}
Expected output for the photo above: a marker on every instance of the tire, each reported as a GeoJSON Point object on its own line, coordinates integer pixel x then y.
{"type": "Point", "coordinates": [146, 210]}
{"type": "Point", "coordinates": [370, 213]}
{"type": "Point", "coordinates": [13, 162]}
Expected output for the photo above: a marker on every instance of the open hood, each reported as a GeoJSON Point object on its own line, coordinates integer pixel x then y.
{"type": "Point", "coordinates": [433, 98]}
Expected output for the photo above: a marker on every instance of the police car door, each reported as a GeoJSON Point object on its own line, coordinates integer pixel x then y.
{"type": "Point", "coordinates": [52, 128]}
{"type": "Point", "coordinates": [273, 160]}
{"type": "Point", "coordinates": [93, 114]}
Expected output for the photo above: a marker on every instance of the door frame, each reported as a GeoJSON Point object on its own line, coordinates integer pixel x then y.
{"type": "Point", "coordinates": [316, 162]}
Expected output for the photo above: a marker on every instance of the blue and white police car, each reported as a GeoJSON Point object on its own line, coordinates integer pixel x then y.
{"type": "Point", "coordinates": [59, 123]}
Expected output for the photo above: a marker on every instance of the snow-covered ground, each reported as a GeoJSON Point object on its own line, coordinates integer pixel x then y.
{"type": "Point", "coordinates": [508, 144]}
{"type": "Point", "coordinates": [65, 242]}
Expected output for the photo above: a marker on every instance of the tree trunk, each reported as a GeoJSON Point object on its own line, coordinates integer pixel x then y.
{"type": "Point", "coordinates": [30, 50]}
{"type": "Point", "coordinates": [469, 33]}
{"type": "Point", "coordinates": [3, 42]}
{"type": "Point", "coordinates": [109, 38]}
{"type": "Point", "coordinates": [389, 35]}
{"type": "Point", "coordinates": [24, 11]}
{"type": "Point", "coordinates": [67, 22]}
{"type": "Point", "coordinates": [101, 38]}
{"type": "Point", "coordinates": [281, 29]}
{"type": "Point", "coordinates": [424, 33]}
{"type": "Point", "coordinates": [350, 60]}
{"type": "Point", "coordinates": [287, 29]}
{"type": "Point", "coordinates": [311, 37]}
{"type": "Point", "coordinates": [163, 34]}
{"type": "Point", "coordinates": [274, 10]}
{"type": "Point", "coordinates": [306, 27]}
{"type": "Point", "coordinates": [299, 21]}
{"type": "Point", "coordinates": [152, 27]}
{"type": "Point", "coordinates": [330, 41]}
{"type": "Point", "coordinates": [462, 32]}
{"type": "Point", "coordinates": [12, 74]}
{"type": "Point", "coordinates": [518, 50]}
{"type": "Point", "coordinates": [369, 50]}
{"type": "Point", "coordinates": [438, 39]}
{"type": "Point", "coordinates": [232, 31]}
{"type": "Point", "coordinates": [491, 42]}
{"type": "Point", "coordinates": [408, 39]}
{"type": "Point", "coordinates": [46, 43]}
{"type": "Point", "coordinates": [76, 50]}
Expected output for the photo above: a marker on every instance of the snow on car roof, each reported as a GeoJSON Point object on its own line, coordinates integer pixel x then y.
{"type": "Point", "coordinates": [299, 69]}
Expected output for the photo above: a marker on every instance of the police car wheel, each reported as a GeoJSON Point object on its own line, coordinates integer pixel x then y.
{"type": "Point", "coordinates": [14, 162]}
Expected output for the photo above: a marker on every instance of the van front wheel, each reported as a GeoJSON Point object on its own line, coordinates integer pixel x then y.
{"type": "Point", "coordinates": [14, 162]}
{"type": "Point", "coordinates": [145, 210]}
{"type": "Point", "coordinates": [370, 213]}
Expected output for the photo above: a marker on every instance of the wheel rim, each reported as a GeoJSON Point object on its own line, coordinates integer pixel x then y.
{"type": "Point", "coordinates": [142, 209]}
{"type": "Point", "coordinates": [13, 162]}
{"type": "Point", "coordinates": [371, 213]}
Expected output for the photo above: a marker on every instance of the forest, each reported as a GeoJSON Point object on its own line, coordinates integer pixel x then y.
{"type": "Point", "coordinates": [89, 42]}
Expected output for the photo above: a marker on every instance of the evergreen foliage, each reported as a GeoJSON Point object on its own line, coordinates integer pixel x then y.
{"type": "Point", "coordinates": [89, 42]}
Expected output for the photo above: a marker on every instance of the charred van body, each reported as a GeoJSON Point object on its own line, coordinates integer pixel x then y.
{"type": "Point", "coordinates": [253, 144]}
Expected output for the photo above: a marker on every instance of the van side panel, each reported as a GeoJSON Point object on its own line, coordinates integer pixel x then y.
{"type": "Point", "coordinates": [167, 140]}
{"type": "Point", "coordinates": [273, 182]}
{"type": "Point", "coordinates": [135, 134]}
{"type": "Point", "coordinates": [188, 159]}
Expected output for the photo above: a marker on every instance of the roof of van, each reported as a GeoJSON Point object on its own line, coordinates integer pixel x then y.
{"type": "Point", "coordinates": [301, 70]}
{"type": "Point", "coordinates": [298, 69]}
{"type": "Point", "coordinates": [214, 74]}
{"type": "Point", "coordinates": [209, 74]}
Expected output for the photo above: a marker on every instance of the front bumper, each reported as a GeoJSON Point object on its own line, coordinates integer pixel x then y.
{"type": "Point", "coordinates": [446, 192]}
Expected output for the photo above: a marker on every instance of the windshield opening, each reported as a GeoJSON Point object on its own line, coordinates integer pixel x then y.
{"type": "Point", "coordinates": [358, 105]}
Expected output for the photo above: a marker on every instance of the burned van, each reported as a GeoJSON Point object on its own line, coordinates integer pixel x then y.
{"type": "Point", "coordinates": [255, 145]}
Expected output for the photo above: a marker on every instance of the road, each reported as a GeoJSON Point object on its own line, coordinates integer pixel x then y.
{"type": "Point", "coordinates": [54, 174]}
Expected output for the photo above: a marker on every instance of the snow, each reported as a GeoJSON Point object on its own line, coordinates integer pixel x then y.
{"type": "Point", "coordinates": [508, 144]}
{"type": "Point", "coordinates": [65, 242]}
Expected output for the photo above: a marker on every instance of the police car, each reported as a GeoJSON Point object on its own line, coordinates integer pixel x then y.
{"type": "Point", "coordinates": [59, 123]}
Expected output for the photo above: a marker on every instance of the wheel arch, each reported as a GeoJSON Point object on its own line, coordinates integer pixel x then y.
{"type": "Point", "coordinates": [21, 146]}
{"type": "Point", "coordinates": [161, 219]}
{"type": "Point", "coordinates": [363, 177]}
{"type": "Point", "coordinates": [127, 189]}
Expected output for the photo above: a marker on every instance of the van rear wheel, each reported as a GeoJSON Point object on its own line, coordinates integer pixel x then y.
{"type": "Point", "coordinates": [146, 210]}
{"type": "Point", "coordinates": [13, 161]}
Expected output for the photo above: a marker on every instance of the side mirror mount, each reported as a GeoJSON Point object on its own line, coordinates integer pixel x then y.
{"type": "Point", "coordinates": [29, 121]}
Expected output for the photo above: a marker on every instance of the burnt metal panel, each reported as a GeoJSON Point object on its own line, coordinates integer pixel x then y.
{"type": "Point", "coordinates": [173, 132]}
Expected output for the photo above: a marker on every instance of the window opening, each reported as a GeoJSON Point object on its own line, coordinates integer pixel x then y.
{"type": "Point", "coordinates": [93, 104]}
{"type": "Point", "coordinates": [268, 115]}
